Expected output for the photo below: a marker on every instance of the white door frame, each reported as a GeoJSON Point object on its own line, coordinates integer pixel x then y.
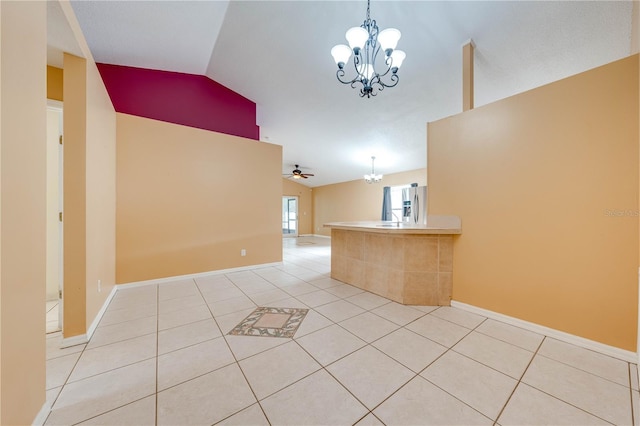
{"type": "Point", "coordinates": [58, 106]}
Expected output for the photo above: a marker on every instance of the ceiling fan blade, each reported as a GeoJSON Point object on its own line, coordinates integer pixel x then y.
{"type": "Point", "coordinates": [297, 173]}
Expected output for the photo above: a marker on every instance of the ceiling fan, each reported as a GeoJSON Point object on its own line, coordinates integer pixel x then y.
{"type": "Point", "coordinates": [297, 173]}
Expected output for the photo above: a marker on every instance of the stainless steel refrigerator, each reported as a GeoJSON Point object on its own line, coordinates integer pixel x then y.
{"type": "Point", "coordinates": [414, 205]}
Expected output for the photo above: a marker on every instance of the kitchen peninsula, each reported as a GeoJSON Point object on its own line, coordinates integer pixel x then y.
{"type": "Point", "coordinates": [410, 264]}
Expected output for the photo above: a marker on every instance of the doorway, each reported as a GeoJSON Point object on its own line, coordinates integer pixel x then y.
{"type": "Point", "coordinates": [54, 217]}
{"type": "Point", "coordinates": [289, 216]}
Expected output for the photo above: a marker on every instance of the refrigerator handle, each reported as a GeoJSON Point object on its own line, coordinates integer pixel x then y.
{"type": "Point", "coordinates": [416, 210]}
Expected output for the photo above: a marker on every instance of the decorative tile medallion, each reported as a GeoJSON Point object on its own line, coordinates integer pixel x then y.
{"type": "Point", "coordinates": [271, 322]}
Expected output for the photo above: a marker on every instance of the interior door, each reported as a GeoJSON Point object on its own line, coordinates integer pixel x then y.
{"type": "Point", "coordinates": [290, 216]}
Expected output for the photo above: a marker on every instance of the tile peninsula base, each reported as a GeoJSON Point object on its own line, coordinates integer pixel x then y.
{"type": "Point", "coordinates": [409, 268]}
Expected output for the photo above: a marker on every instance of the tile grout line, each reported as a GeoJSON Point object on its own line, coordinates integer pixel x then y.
{"type": "Point", "coordinates": [331, 322]}
{"type": "Point", "coordinates": [535, 354]}
{"type": "Point", "coordinates": [449, 349]}
{"type": "Point", "coordinates": [111, 410]}
{"type": "Point", "coordinates": [520, 379]}
{"type": "Point", "coordinates": [475, 329]}
{"type": "Point", "coordinates": [419, 374]}
{"type": "Point", "coordinates": [333, 362]}
{"type": "Point", "coordinates": [554, 396]}
{"type": "Point", "coordinates": [237, 363]}
{"type": "Point", "coordinates": [633, 413]}
{"type": "Point", "coordinates": [317, 361]}
{"type": "Point", "coordinates": [366, 343]}
{"type": "Point", "coordinates": [66, 381]}
{"type": "Point", "coordinates": [324, 367]}
{"type": "Point", "coordinates": [370, 411]}
{"type": "Point", "coordinates": [582, 370]}
{"type": "Point", "coordinates": [292, 339]}
{"type": "Point", "coordinates": [157, 349]}
{"type": "Point", "coordinates": [157, 346]}
{"type": "Point", "coordinates": [94, 375]}
{"type": "Point", "coordinates": [111, 370]}
{"type": "Point", "coordinates": [120, 341]}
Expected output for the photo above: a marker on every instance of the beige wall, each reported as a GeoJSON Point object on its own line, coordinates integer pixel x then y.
{"type": "Point", "coordinates": [54, 83]}
{"type": "Point", "coordinates": [305, 204]}
{"type": "Point", "coordinates": [101, 194]}
{"type": "Point", "coordinates": [23, 91]}
{"type": "Point", "coordinates": [635, 45]}
{"type": "Point", "coordinates": [546, 184]}
{"type": "Point", "coordinates": [188, 200]}
{"type": "Point", "coordinates": [356, 200]}
{"type": "Point", "coordinates": [75, 194]}
{"type": "Point", "coordinates": [89, 187]}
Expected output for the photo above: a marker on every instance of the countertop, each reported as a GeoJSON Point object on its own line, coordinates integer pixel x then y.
{"type": "Point", "coordinates": [435, 225]}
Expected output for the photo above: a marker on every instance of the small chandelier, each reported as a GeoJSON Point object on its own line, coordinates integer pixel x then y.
{"type": "Point", "coordinates": [373, 177]}
{"type": "Point", "coordinates": [365, 42]}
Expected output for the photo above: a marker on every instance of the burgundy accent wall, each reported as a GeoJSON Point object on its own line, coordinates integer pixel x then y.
{"type": "Point", "coordinates": [187, 99]}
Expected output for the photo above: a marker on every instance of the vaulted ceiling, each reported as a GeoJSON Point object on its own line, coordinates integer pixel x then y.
{"type": "Point", "coordinates": [276, 53]}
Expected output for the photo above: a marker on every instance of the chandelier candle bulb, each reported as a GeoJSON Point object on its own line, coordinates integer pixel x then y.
{"type": "Point", "coordinates": [389, 39]}
{"type": "Point", "coordinates": [366, 42]}
{"type": "Point", "coordinates": [397, 56]}
{"type": "Point", "coordinates": [357, 37]}
{"type": "Point", "coordinates": [341, 54]}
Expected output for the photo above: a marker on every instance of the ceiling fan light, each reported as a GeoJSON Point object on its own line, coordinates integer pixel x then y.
{"type": "Point", "coordinates": [357, 37]}
{"type": "Point", "coordinates": [341, 54]}
{"type": "Point", "coordinates": [389, 38]}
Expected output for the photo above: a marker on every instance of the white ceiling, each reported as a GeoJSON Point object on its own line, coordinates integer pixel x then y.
{"type": "Point", "coordinates": [276, 53]}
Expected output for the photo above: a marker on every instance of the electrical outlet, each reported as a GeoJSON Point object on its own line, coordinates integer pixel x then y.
{"type": "Point", "coordinates": [243, 252]}
{"type": "Point", "coordinates": [99, 286]}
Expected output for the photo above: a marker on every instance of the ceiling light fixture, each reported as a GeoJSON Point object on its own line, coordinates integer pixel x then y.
{"type": "Point", "coordinates": [365, 43]}
{"type": "Point", "coordinates": [373, 177]}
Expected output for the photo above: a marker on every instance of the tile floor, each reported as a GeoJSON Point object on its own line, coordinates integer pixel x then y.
{"type": "Point", "coordinates": [162, 355]}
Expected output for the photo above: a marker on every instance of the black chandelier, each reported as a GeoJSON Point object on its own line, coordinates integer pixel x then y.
{"type": "Point", "coordinates": [365, 42]}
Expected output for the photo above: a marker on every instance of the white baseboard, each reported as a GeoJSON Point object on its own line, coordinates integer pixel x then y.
{"type": "Point", "coordinates": [41, 417]}
{"type": "Point", "coordinates": [80, 339]}
{"type": "Point", "coordinates": [320, 236]}
{"type": "Point", "coordinates": [196, 275]}
{"type": "Point", "coordinates": [84, 338]}
{"type": "Point", "coordinates": [101, 312]}
{"type": "Point", "coordinates": [612, 351]}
